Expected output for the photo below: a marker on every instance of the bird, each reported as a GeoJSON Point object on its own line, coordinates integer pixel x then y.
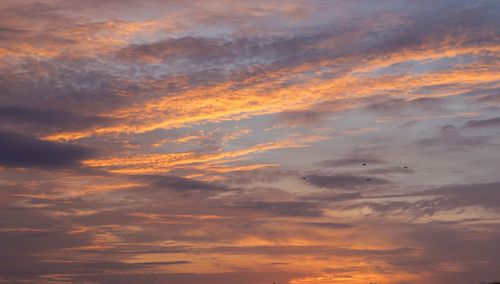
{"type": "Point", "coordinates": [364, 164]}
{"type": "Point", "coordinates": [405, 167]}
{"type": "Point", "coordinates": [303, 178]}
{"type": "Point", "coordinates": [368, 179]}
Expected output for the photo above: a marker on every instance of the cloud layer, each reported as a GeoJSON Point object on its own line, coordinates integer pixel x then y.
{"type": "Point", "coordinates": [249, 142]}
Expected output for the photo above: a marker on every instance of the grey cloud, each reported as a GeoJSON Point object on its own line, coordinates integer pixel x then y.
{"type": "Point", "coordinates": [447, 18]}
{"type": "Point", "coordinates": [47, 121]}
{"type": "Point", "coordinates": [354, 161]}
{"type": "Point", "coordinates": [182, 184]}
{"type": "Point", "coordinates": [295, 49]}
{"type": "Point", "coordinates": [333, 197]}
{"type": "Point", "coordinates": [216, 51]}
{"type": "Point", "coordinates": [493, 96]}
{"type": "Point", "coordinates": [243, 277]}
{"type": "Point", "coordinates": [482, 194]}
{"type": "Point", "coordinates": [260, 175]}
{"type": "Point", "coordinates": [318, 250]}
{"type": "Point", "coordinates": [24, 151]}
{"type": "Point", "coordinates": [31, 11]}
{"type": "Point", "coordinates": [9, 33]}
{"type": "Point", "coordinates": [390, 170]}
{"type": "Point", "coordinates": [492, 122]}
{"type": "Point", "coordinates": [343, 181]}
{"type": "Point", "coordinates": [27, 232]}
{"type": "Point", "coordinates": [36, 268]}
{"type": "Point", "coordinates": [441, 244]}
{"type": "Point", "coordinates": [416, 209]}
{"type": "Point", "coordinates": [403, 105]}
{"type": "Point", "coordinates": [451, 137]}
{"type": "Point", "coordinates": [328, 225]}
{"type": "Point", "coordinates": [431, 201]}
{"type": "Point", "coordinates": [300, 117]}
{"type": "Point", "coordinates": [285, 208]}
{"type": "Point", "coordinates": [63, 85]}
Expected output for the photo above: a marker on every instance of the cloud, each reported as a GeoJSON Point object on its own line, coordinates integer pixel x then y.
{"type": "Point", "coordinates": [450, 137]}
{"type": "Point", "coordinates": [300, 117]}
{"type": "Point", "coordinates": [493, 96]}
{"type": "Point", "coordinates": [390, 170]}
{"type": "Point", "coordinates": [183, 184]}
{"type": "Point", "coordinates": [450, 254]}
{"type": "Point", "coordinates": [405, 105]}
{"type": "Point", "coordinates": [47, 121]}
{"type": "Point", "coordinates": [24, 151]}
{"type": "Point", "coordinates": [177, 192]}
{"type": "Point", "coordinates": [8, 33]}
{"type": "Point", "coordinates": [492, 122]}
{"type": "Point", "coordinates": [432, 201]}
{"type": "Point", "coordinates": [165, 162]}
{"type": "Point", "coordinates": [323, 250]}
{"type": "Point", "coordinates": [343, 181]}
{"type": "Point", "coordinates": [247, 277]}
{"type": "Point", "coordinates": [332, 197]}
{"type": "Point", "coordinates": [480, 194]}
{"type": "Point", "coordinates": [328, 225]}
{"type": "Point", "coordinates": [64, 88]}
{"type": "Point", "coordinates": [231, 52]}
{"type": "Point", "coordinates": [354, 161]}
{"type": "Point", "coordinates": [285, 208]}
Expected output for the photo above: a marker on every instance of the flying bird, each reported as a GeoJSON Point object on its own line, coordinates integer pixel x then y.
{"type": "Point", "coordinates": [405, 167]}
{"type": "Point", "coordinates": [364, 164]}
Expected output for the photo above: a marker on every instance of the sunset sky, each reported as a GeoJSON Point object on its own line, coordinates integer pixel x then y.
{"type": "Point", "coordinates": [214, 142]}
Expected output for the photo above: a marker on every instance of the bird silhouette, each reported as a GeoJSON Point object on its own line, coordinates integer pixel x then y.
{"type": "Point", "coordinates": [405, 167]}
{"type": "Point", "coordinates": [364, 164]}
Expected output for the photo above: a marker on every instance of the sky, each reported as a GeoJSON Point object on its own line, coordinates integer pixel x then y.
{"type": "Point", "coordinates": [249, 142]}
